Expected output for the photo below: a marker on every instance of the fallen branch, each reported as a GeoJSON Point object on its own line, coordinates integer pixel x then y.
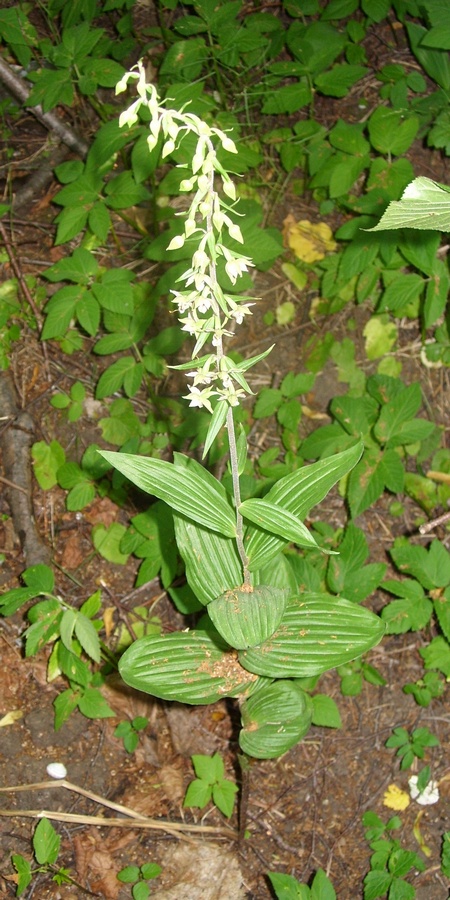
{"type": "Point", "coordinates": [135, 819]}
{"type": "Point", "coordinates": [16, 86]}
{"type": "Point", "coordinates": [15, 443]}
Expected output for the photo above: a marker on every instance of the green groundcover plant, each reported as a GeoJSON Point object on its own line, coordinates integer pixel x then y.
{"type": "Point", "coordinates": [260, 634]}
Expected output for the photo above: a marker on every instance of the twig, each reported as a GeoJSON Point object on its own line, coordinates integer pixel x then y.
{"type": "Point", "coordinates": [18, 273]}
{"type": "Point", "coordinates": [429, 526]}
{"type": "Point", "coordinates": [16, 86]}
{"type": "Point", "coordinates": [17, 487]}
{"type": "Point", "coordinates": [177, 829]}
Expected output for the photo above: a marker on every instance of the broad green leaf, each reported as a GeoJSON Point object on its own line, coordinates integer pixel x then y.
{"type": "Point", "coordinates": [64, 704]}
{"type": "Point", "coordinates": [191, 667]}
{"type": "Point", "coordinates": [198, 794]}
{"type": "Point", "coordinates": [40, 578]}
{"type": "Point", "coordinates": [398, 411]}
{"type": "Point", "coordinates": [366, 483]}
{"type": "Point", "coordinates": [60, 311]}
{"type": "Point", "coordinates": [87, 636]}
{"type": "Point", "coordinates": [23, 869]}
{"type": "Point", "coordinates": [286, 887]}
{"type": "Point", "coordinates": [182, 489]}
{"type": "Point", "coordinates": [287, 99]}
{"type": "Point", "coordinates": [224, 796]}
{"type": "Point", "coordinates": [431, 567]}
{"type": "Point", "coordinates": [80, 496]}
{"type": "Point", "coordinates": [420, 250]}
{"type": "Point", "coordinates": [274, 719]}
{"type": "Point", "coordinates": [436, 295]}
{"type": "Point", "coordinates": [277, 520]}
{"type": "Point", "coordinates": [111, 380]}
{"type": "Point", "coordinates": [67, 626]}
{"type": "Point", "coordinates": [435, 62]}
{"type": "Point", "coordinates": [246, 617]}
{"type": "Point", "coordinates": [405, 289]}
{"type": "Point", "coordinates": [107, 541]}
{"type": "Point", "coordinates": [46, 843]}
{"type": "Point", "coordinates": [318, 632]}
{"type": "Point", "coordinates": [79, 267]}
{"type": "Point", "coordinates": [208, 768]}
{"type": "Point", "coordinates": [212, 562]}
{"type": "Point", "coordinates": [298, 493]}
{"type": "Point", "coordinates": [390, 132]}
{"type": "Point", "coordinates": [338, 81]}
{"type": "Point", "coordinates": [325, 712]}
{"type": "Point", "coordinates": [93, 705]}
{"type": "Point", "coordinates": [424, 205]}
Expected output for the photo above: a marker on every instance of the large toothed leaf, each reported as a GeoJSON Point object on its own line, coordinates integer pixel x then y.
{"type": "Point", "coordinates": [187, 491]}
{"type": "Point", "coordinates": [190, 667]}
{"type": "Point", "coordinates": [424, 204]}
{"type": "Point", "coordinates": [298, 493]}
{"type": "Point", "coordinates": [317, 632]}
{"type": "Point", "coordinates": [246, 617]}
{"type": "Point", "coordinates": [274, 719]}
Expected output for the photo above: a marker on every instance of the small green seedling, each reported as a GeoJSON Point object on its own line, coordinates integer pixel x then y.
{"type": "Point", "coordinates": [46, 845]}
{"type": "Point", "coordinates": [72, 402]}
{"type": "Point", "coordinates": [138, 876]}
{"type": "Point", "coordinates": [411, 745]}
{"type": "Point", "coordinates": [210, 784]}
{"type": "Point", "coordinates": [389, 863]}
{"type": "Point", "coordinates": [287, 887]}
{"type": "Point", "coordinates": [129, 732]}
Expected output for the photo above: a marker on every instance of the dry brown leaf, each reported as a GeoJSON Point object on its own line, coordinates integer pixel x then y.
{"type": "Point", "coordinates": [172, 781]}
{"type": "Point", "coordinates": [200, 871]}
{"type": "Point", "coordinates": [101, 510]}
{"type": "Point", "coordinates": [73, 553]}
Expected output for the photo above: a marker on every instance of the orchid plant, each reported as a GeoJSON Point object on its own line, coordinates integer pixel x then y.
{"type": "Point", "coordinates": [261, 632]}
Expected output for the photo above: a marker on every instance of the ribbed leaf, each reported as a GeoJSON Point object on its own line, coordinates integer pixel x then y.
{"type": "Point", "coordinates": [278, 520]}
{"type": "Point", "coordinates": [181, 488]}
{"type": "Point", "coordinates": [187, 666]}
{"type": "Point", "coordinates": [245, 618]}
{"type": "Point", "coordinates": [274, 719]}
{"type": "Point", "coordinates": [211, 560]}
{"type": "Point", "coordinates": [317, 632]}
{"type": "Point", "coordinates": [298, 493]}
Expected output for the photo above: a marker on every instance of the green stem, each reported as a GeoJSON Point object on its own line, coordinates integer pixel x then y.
{"type": "Point", "coordinates": [237, 495]}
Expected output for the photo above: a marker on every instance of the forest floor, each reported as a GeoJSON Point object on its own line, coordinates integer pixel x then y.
{"type": "Point", "coordinates": [305, 809]}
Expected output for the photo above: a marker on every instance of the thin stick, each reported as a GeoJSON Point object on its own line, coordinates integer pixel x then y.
{"type": "Point", "coordinates": [11, 484]}
{"type": "Point", "coordinates": [429, 526]}
{"type": "Point", "coordinates": [137, 819]}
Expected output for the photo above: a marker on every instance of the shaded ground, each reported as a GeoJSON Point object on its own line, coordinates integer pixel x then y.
{"type": "Point", "coordinates": [305, 809]}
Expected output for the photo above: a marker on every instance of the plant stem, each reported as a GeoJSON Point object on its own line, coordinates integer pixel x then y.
{"type": "Point", "coordinates": [237, 495]}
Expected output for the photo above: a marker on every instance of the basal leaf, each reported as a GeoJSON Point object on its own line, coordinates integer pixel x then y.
{"type": "Point", "coordinates": [317, 633]}
{"type": "Point", "coordinates": [190, 667]}
{"type": "Point", "coordinates": [274, 719]}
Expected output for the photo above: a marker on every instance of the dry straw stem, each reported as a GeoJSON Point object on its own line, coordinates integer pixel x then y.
{"type": "Point", "coordinates": [177, 829]}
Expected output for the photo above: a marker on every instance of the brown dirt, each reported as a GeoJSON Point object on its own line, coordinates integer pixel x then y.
{"type": "Point", "coordinates": [304, 809]}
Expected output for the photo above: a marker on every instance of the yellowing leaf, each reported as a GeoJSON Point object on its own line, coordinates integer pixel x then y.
{"type": "Point", "coordinates": [108, 620]}
{"type": "Point", "coordinates": [395, 798]}
{"type": "Point", "coordinates": [9, 718]}
{"type": "Point", "coordinates": [309, 242]}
